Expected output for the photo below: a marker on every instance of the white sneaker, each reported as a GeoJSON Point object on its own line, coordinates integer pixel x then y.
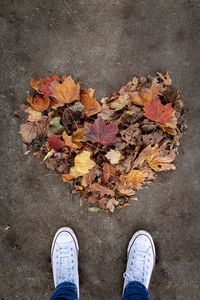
{"type": "Point", "coordinates": [141, 259]}
{"type": "Point", "coordinates": [64, 257]}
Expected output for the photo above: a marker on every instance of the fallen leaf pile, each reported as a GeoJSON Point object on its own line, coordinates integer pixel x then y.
{"type": "Point", "coordinates": [107, 149]}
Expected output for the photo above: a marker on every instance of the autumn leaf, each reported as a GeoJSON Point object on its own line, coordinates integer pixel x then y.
{"type": "Point", "coordinates": [39, 102]}
{"type": "Point", "coordinates": [102, 190]}
{"type": "Point", "coordinates": [33, 115]}
{"type": "Point", "coordinates": [108, 172]}
{"type": "Point", "coordinates": [89, 178]}
{"type": "Point", "coordinates": [55, 142]}
{"type": "Point", "coordinates": [75, 140]}
{"type": "Point", "coordinates": [160, 113]}
{"type": "Point", "coordinates": [119, 103]}
{"type": "Point", "coordinates": [31, 130]}
{"type": "Point", "coordinates": [101, 132]}
{"type": "Point", "coordinates": [42, 85]}
{"type": "Point", "coordinates": [135, 178]}
{"type": "Point", "coordinates": [91, 105]}
{"type": "Point", "coordinates": [111, 204]}
{"type": "Point", "coordinates": [45, 87]}
{"type": "Point", "coordinates": [137, 99]}
{"type": "Point", "coordinates": [165, 78]}
{"type": "Point", "coordinates": [82, 164]}
{"type": "Point", "coordinates": [66, 92]}
{"type": "Point", "coordinates": [55, 127]}
{"type": "Point", "coordinates": [158, 159]}
{"type": "Point", "coordinates": [113, 156]}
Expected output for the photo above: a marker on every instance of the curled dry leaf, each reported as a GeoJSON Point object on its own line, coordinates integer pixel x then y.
{"type": "Point", "coordinates": [165, 78]}
{"type": "Point", "coordinates": [91, 105]}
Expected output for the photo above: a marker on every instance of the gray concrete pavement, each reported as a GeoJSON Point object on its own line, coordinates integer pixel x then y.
{"type": "Point", "coordinates": [103, 43]}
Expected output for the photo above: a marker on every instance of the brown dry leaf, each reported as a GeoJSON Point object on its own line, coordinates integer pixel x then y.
{"type": "Point", "coordinates": [125, 189]}
{"type": "Point", "coordinates": [108, 172]}
{"type": "Point", "coordinates": [91, 105]}
{"type": "Point", "coordinates": [89, 178]}
{"type": "Point", "coordinates": [131, 135]}
{"type": "Point", "coordinates": [165, 78]}
{"type": "Point", "coordinates": [78, 137]}
{"type": "Point", "coordinates": [111, 204]}
{"type": "Point", "coordinates": [39, 102]}
{"type": "Point", "coordinates": [33, 115]}
{"type": "Point", "coordinates": [66, 92]}
{"type": "Point", "coordinates": [82, 164]}
{"type": "Point", "coordinates": [102, 190]}
{"type": "Point", "coordinates": [158, 159]}
{"type": "Point", "coordinates": [113, 156]}
{"type": "Point", "coordinates": [30, 130]}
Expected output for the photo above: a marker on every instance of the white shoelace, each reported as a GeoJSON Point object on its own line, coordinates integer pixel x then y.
{"type": "Point", "coordinates": [137, 266]}
{"type": "Point", "coordinates": [66, 264]}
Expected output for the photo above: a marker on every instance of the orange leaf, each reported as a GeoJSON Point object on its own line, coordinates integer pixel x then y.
{"type": "Point", "coordinates": [160, 113]}
{"type": "Point", "coordinates": [39, 102]}
{"type": "Point", "coordinates": [91, 105]}
{"type": "Point", "coordinates": [75, 140]}
{"type": "Point", "coordinates": [66, 92]}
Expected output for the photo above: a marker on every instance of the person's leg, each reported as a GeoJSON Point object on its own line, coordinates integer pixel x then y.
{"type": "Point", "coordinates": [141, 260]}
{"type": "Point", "coordinates": [64, 258]}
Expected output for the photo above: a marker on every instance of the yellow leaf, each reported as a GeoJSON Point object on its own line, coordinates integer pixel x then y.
{"type": "Point", "coordinates": [66, 92]}
{"type": "Point", "coordinates": [135, 177]}
{"type": "Point", "coordinates": [136, 99]}
{"type": "Point", "coordinates": [119, 103]}
{"type": "Point", "coordinates": [82, 164]}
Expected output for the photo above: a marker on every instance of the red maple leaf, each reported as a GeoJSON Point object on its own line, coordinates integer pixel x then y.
{"type": "Point", "coordinates": [55, 142]}
{"type": "Point", "coordinates": [101, 132]}
{"type": "Point", "coordinates": [158, 112]}
{"type": "Point", "coordinates": [45, 86]}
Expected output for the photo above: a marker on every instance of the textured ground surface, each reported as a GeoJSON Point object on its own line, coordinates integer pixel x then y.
{"type": "Point", "coordinates": [102, 43]}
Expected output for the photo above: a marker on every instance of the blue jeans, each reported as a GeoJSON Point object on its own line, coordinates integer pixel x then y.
{"type": "Point", "coordinates": [133, 291]}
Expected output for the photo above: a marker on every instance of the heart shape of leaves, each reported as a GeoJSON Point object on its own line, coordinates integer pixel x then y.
{"type": "Point", "coordinates": [105, 149]}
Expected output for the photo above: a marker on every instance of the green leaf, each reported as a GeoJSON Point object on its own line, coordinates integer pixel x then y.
{"type": "Point", "coordinates": [55, 127]}
{"type": "Point", "coordinates": [94, 209]}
